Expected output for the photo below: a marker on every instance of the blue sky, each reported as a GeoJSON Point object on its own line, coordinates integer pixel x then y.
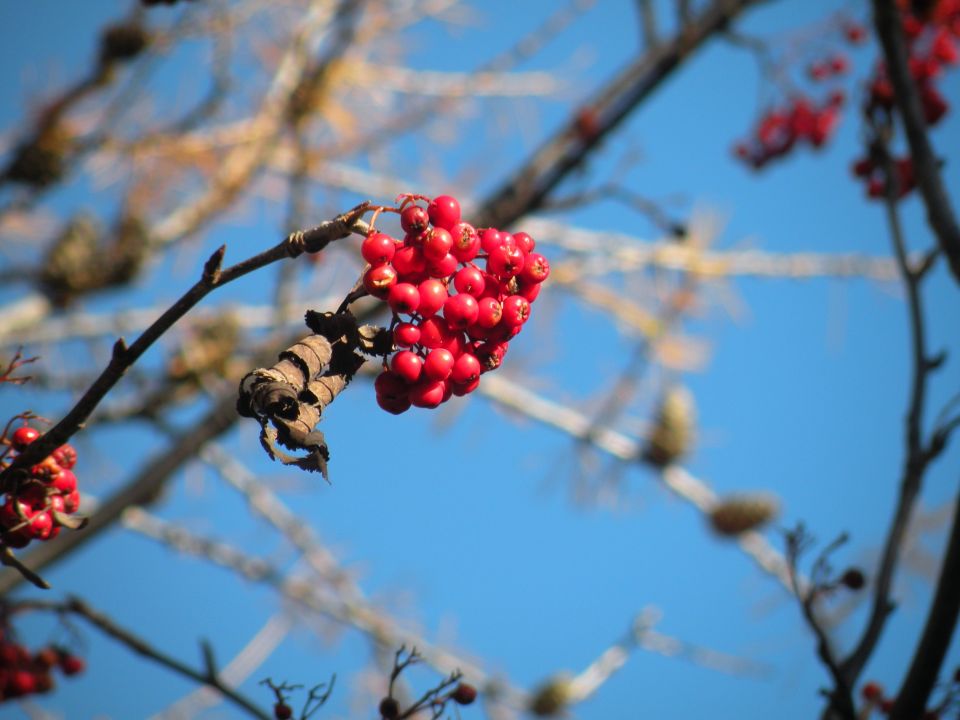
{"type": "Point", "coordinates": [464, 524]}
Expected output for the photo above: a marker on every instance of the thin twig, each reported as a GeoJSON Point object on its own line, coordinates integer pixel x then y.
{"type": "Point", "coordinates": [213, 277]}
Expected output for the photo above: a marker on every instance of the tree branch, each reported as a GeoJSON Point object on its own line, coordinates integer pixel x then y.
{"type": "Point", "coordinates": [527, 189]}
{"type": "Point", "coordinates": [917, 455]}
{"type": "Point", "coordinates": [941, 622]}
{"type": "Point", "coordinates": [213, 277]}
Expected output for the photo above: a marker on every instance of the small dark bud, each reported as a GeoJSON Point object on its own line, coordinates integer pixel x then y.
{"type": "Point", "coordinates": [122, 42]}
{"type": "Point", "coordinates": [282, 711]}
{"type": "Point", "coordinates": [389, 708]}
{"type": "Point", "coordinates": [464, 694]}
{"type": "Point", "coordinates": [853, 578]}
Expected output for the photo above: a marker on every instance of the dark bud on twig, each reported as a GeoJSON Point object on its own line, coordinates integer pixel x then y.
{"type": "Point", "coordinates": [211, 268]}
{"type": "Point", "coordinates": [122, 42]}
{"type": "Point", "coordinates": [853, 579]}
{"type": "Point", "coordinates": [389, 708]}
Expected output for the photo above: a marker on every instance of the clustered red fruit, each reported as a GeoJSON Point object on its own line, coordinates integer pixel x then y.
{"type": "Point", "coordinates": [932, 45]}
{"type": "Point", "coordinates": [458, 296]}
{"type": "Point", "coordinates": [39, 505]}
{"type": "Point", "coordinates": [27, 673]}
{"type": "Point", "coordinates": [783, 128]}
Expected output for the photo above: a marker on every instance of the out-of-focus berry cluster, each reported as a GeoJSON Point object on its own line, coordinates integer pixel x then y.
{"type": "Point", "coordinates": [932, 46]}
{"type": "Point", "coordinates": [23, 672]}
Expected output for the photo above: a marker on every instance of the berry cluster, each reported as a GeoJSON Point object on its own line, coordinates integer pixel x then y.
{"type": "Point", "coordinates": [26, 673]}
{"type": "Point", "coordinates": [42, 501]}
{"type": "Point", "coordinates": [458, 296]}
{"type": "Point", "coordinates": [781, 129]}
{"type": "Point", "coordinates": [932, 46]}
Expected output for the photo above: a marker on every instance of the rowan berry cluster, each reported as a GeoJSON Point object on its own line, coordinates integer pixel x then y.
{"type": "Point", "coordinates": [932, 44]}
{"type": "Point", "coordinates": [43, 501]}
{"type": "Point", "coordinates": [458, 296]}
{"type": "Point", "coordinates": [802, 120]}
{"type": "Point", "coordinates": [27, 673]}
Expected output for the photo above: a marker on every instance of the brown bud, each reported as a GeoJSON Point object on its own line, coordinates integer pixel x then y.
{"type": "Point", "coordinates": [739, 513]}
{"type": "Point", "coordinates": [672, 433]}
{"type": "Point", "coordinates": [552, 697]}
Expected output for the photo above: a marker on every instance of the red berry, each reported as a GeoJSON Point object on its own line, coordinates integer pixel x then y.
{"type": "Point", "coordinates": [407, 364]}
{"type": "Point", "coordinates": [461, 311]}
{"type": "Point", "coordinates": [282, 711]}
{"type": "Point", "coordinates": [41, 525]}
{"type": "Point", "coordinates": [378, 248]}
{"type": "Point", "coordinates": [438, 364]}
{"type": "Point", "coordinates": [66, 456]}
{"type": "Point", "coordinates": [390, 385]}
{"type": "Point", "coordinates": [434, 332]}
{"type": "Point", "coordinates": [505, 261]}
{"type": "Point", "coordinates": [444, 211]}
{"type": "Point", "coordinates": [461, 389]}
{"type": "Point", "coordinates": [65, 482]}
{"type": "Point", "coordinates": [489, 312]}
{"type": "Point", "coordinates": [71, 502]}
{"type": "Point", "coordinates": [464, 694]}
{"type": "Point", "coordinates": [943, 48]}
{"type": "Point", "coordinates": [72, 665]}
{"type": "Point", "coordinates": [445, 267]}
{"type": "Point", "coordinates": [524, 242]}
{"type": "Point", "coordinates": [20, 682]}
{"type": "Point", "coordinates": [855, 34]}
{"type": "Point", "coordinates": [428, 393]}
{"type": "Point", "coordinates": [406, 334]}
{"type": "Point", "coordinates": [414, 219]}
{"type": "Point", "coordinates": [23, 436]}
{"type": "Point", "coordinates": [490, 239]}
{"type": "Point", "coordinates": [403, 298]}
{"type": "Point", "coordinates": [378, 280]}
{"type": "Point", "coordinates": [530, 290]}
{"type": "Point", "coordinates": [536, 269]}
{"type": "Point", "coordinates": [872, 692]}
{"type": "Point", "coordinates": [469, 280]}
{"type": "Point", "coordinates": [466, 242]}
{"type": "Point", "coordinates": [394, 406]}
{"type": "Point", "coordinates": [466, 369]}
{"type": "Point", "coordinates": [410, 264]}
{"type": "Point", "coordinates": [838, 64]}
{"type": "Point", "coordinates": [433, 294]}
{"type": "Point", "coordinates": [516, 310]}
{"type": "Point", "coordinates": [437, 244]}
